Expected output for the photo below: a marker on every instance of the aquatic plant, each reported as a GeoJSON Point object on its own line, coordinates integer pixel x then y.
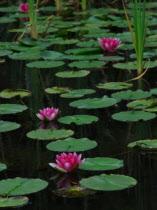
{"type": "Point", "coordinates": [109, 44]}
{"type": "Point", "coordinates": [84, 4]}
{"type": "Point", "coordinates": [137, 27]}
{"type": "Point", "coordinates": [24, 7]}
{"type": "Point", "coordinates": [58, 6]}
{"type": "Point", "coordinates": [48, 114]}
{"type": "Point", "coordinates": [33, 18]}
{"type": "Point", "coordinates": [67, 162]}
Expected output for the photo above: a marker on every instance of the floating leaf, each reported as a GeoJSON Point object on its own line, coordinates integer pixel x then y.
{"type": "Point", "coordinates": [142, 104]}
{"type": "Point", "coordinates": [131, 95]}
{"type": "Point", "coordinates": [72, 74]}
{"type": "Point", "coordinates": [72, 145]}
{"type": "Point", "coordinates": [133, 116]}
{"type": "Point", "coordinates": [93, 103]}
{"type": "Point", "coordinates": [57, 90]}
{"type": "Point", "coordinates": [2, 167]}
{"type": "Point", "coordinates": [52, 55]}
{"type": "Point", "coordinates": [77, 93]}
{"type": "Point", "coordinates": [101, 164]}
{"type": "Point", "coordinates": [112, 182]}
{"type": "Point", "coordinates": [9, 93]}
{"type": "Point", "coordinates": [87, 64]}
{"type": "Point", "coordinates": [144, 144]}
{"type": "Point", "coordinates": [78, 119]}
{"type": "Point", "coordinates": [45, 64]}
{"type": "Point", "coordinates": [6, 126]}
{"type": "Point", "coordinates": [21, 186]}
{"type": "Point", "coordinates": [114, 85]}
{"type": "Point", "coordinates": [49, 134]}
{"type": "Point", "coordinates": [26, 55]}
{"type": "Point", "coordinates": [11, 108]}
{"type": "Point", "coordinates": [17, 201]}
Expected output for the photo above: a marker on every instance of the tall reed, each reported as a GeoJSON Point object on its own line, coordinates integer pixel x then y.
{"type": "Point", "coordinates": [58, 6]}
{"type": "Point", "coordinates": [137, 26]}
{"type": "Point", "coordinates": [33, 18]}
{"type": "Point", "coordinates": [84, 4]}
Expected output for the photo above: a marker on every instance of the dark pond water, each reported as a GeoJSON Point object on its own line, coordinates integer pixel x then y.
{"type": "Point", "coordinates": [29, 158]}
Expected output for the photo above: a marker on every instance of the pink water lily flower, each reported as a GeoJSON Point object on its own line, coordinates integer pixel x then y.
{"type": "Point", "coordinates": [24, 7]}
{"type": "Point", "coordinates": [47, 114]}
{"type": "Point", "coordinates": [67, 162]}
{"type": "Point", "coordinates": [109, 44]}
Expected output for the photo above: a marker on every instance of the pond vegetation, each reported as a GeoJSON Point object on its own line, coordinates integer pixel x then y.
{"type": "Point", "coordinates": [78, 97]}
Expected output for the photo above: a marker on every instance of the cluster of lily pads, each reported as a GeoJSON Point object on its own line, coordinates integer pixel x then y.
{"type": "Point", "coordinates": [84, 58]}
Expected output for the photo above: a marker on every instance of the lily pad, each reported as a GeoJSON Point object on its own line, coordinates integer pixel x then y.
{"type": "Point", "coordinates": [11, 108]}
{"type": "Point", "coordinates": [133, 116]}
{"type": "Point", "coordinates": [52, 55]}
{"type": "Point", "coordinates": [45, 64]}
{"type": "Point", "coordinates": [87, 64]}
{"type": "Point", "coordinates": [144, 144]}
{"type": "Point", "coordinates": [78, 119]}
{"type": "Point", "coordinates": [131, 95]}
{"type": "Point", "coordinates": [9, 93]}
{"type": "Point", "coordinates": [2, 167]}
{"type": "Point", "coordinates": [72, 74]}
{"type": "Point", "coordinates": [114, 85]}
{"type": "Point", "coordinates": [94, 103]}
{"type": "Point", "coordinates": [78, 93]}
{"type": "Point", "coordinates": [49, 134]}
{"type": "Point", "coordinates": [6, 126]}
{"type": "Point", "coordinates": [101, 164]}
{"type": "Point", "coordinates": [57, 90]}
{"type": "Point", "coordinates": [17, 201]}
{"type": "Point", "coordinates": [112, 182]}
{"type": "Point", "coordinates": [21, 186]}
{"type": "Point", "coordinates": [72, 145]}
{"type": "Point", "coordinates": [142, 104]}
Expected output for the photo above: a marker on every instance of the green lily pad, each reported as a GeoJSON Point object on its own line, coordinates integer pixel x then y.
{"type": "Point", "coordinates": [144, 144]}
{"type": "Point", "coordinates": [101, 164]}
{"type": "Point", "coordinates": [2, 167]}
{"type": "Point", "coordinates": [45, 64]}
{"type": "Point", "coordinates": [52, 55]}
{"type": "Point", "coordinates": [49, 134]}
{"type": "Point", "coordinates": [112, 182]}
{"type": "Point", "coordinates": [5, 52]}
{"type": "Point", "coordinates": [94, 103]}
{"type": "Point", "coordinates": [9, 93]}
{"type": "Point", "coordinates": [72, 145]}
{"type": "Point", "coordinates": [78, 93]}
{"type": "Point", "coordinates": [131, 95]}
{"type": "Point", "coordinates": [57, 90]}
{"type": "Point", "coordinates": [142, 104]}
{"type": "Point", "coordinates": [151, 109]}
{"type": "Point", "coordinates": [133, 116]}
{"type": "Point", "coordinates": [6, 126]}
{"type": "Point", "coordinates": [21, 186]}
{"type": "Point", "coordinates": [17, 201]}
{"type": "Point", "coordinates": [11, 108]}
{"type": "Point", "coordinates": [26, 55]}
{"type": "Point", "coordinates": [114, 85]}
{"type": "Point", "coordinates": [87, 64]}
{"type": "Point", "coordinates": [72, 74]}
{"type": "Point", "coordinates": [78, 119]}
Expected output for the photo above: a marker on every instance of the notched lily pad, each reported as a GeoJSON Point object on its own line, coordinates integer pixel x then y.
{"type": "Point", "coordinates": [144, 144]}
{"type": "Point", "coordinates": [10, 93]}
{"type": "Point", "coordinates": [78, 119]}
{"type": "Point", "coordinates": [17, 201]}
{"type": "Point", "coordinates": [114, 85]}
{"type": "Point", "coordinates": [77, 93]}
{"type": "Point", "coordinates": [11, 108]}
{"type": "Point", "coordinates": [101, 164]}
{"type": "Point", "coordinates": [94, 103]}
{"type": "Point", "coordinates": [72, 145]}
{"type": "Point", "coordinates": [49, 134]}
{"type": "Point", "coordinates": [6, 126]}
{"type": "Point", "coordinates": [45, 64]}
{"type": "Point", "coordinates": [133, 116]}
{"type": "Point", "coordinates": [72, 74]}
{"type": "Point", "coordinates": [57, 90]}
{"type": "Point", "coordinates": [112, 182]}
